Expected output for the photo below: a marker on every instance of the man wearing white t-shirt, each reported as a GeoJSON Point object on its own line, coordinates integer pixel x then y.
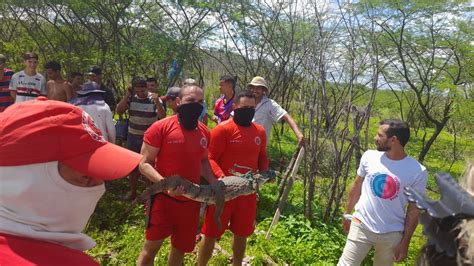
{"type": "Point", "coordinates": [268, 111]}
{"type": "Point", "coordinates": [383, 217]}
{"type": "Point", "coordinates": [27, 84]}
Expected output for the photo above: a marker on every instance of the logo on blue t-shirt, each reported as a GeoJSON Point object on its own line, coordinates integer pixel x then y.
{"type": "Point", "coordinates": [385, 186]}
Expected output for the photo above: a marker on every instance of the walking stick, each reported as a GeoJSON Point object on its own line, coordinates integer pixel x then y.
{"type": "Point", "coordinates": [279, 210]}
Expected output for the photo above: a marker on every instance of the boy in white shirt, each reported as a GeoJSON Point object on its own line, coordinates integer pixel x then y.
{"type": "Point", "coordinates": [27, 84]}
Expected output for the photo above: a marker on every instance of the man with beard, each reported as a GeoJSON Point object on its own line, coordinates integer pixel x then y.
{"type": "Point", "coordinates": [383, 218]}
{"type": "Point", "coordinates": [53, 163]}
{"type": "Point", "coordinates": [236, 145]}
{"type": "Point", "coordinates": [176, 145]}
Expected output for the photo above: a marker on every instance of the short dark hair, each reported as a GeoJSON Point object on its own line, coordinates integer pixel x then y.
{"type": "Point", "coordinates": [151, 79]}
{"type": "Point", "coordinates": [397, 128]}
{"type": "Point", "coordinates": [29, 55]}
{"type": "Point", "coordinates": [52, 65]}
{"type": "Point", "coordinates": [138, 82]}
{"type": "Point", "coordinates": [75, 74]}
{"type": "Point", "coordinates": [245, 93]}
{"type": "Point", "coordinates": [231, 79]}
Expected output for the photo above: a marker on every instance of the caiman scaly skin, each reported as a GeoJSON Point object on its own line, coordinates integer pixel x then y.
{"type": "Point", "coordinates": [225, 189]}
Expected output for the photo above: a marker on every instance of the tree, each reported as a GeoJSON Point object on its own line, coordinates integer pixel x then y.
{"type": "Point", "coordinates": [427, 55]}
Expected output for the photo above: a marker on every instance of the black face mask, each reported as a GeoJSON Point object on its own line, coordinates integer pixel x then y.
{"type": "Point", "coordinates": [243, 116]}
{"type": "Point", "coordinates": [188, 115]}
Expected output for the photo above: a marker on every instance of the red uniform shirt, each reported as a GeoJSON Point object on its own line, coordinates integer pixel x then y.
{"type": "Point", "coordinates": [181, 150]}
{"type": "Point", "coordinates": [233, 144]}
{"type": "Point", "coordinates": [21, 251]}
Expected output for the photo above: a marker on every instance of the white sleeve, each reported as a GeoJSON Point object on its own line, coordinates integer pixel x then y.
{"type": "Point", "coordinates": [13, 82]}
{"type": "Point", "coordinates": [109, 123]}
{"type": "Point", "coordinates": [420, 182]}
{"type": "Point", "coordinates": [43, 88]}
{"type": "Point", "coordinates": [276, 111]}
{"type": "Point", "coordinates": [362, 171]}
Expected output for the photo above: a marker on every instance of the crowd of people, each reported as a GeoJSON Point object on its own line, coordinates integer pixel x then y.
{"type": "Point", "coordinates": [55, 156]}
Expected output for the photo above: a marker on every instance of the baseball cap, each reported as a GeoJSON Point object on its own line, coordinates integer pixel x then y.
{"type": "Point", "coordinates": [258, 81]}
{"type": "Point", "coordinates": [95, 70]}
{"type": "Point", "coordinates": [43, 130]}
{"type": "Point", "coordinates": [173, 92]}
{"type": "Point", "coordinates": [90, 87]}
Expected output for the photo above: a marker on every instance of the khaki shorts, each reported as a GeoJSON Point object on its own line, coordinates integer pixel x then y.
{"type": "Point", "coordinates": [359, 242]}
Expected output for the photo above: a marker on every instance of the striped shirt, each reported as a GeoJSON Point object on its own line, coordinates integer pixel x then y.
{"type": "Point", "coordinates": [27, 87]}
{"type": "Point", "coordinates": [5, 98]}
{"type": "Point", "coordinates": [142, 114]}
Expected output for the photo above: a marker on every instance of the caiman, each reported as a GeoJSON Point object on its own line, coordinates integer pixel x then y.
{"type": "Point", "coordinates": [225, 189]}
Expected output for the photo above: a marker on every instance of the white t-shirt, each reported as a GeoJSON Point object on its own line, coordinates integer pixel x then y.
{"type": "Point", "coordinates": [267, 113]}
{"type": "Point", "coordinates": [382, 204]}
{"type": "Point", "coordinates": [103, 119]}
{"type": "Point", "coordinates": [27, 87]}
{"type": "Point", "coordinates": [36, 202]}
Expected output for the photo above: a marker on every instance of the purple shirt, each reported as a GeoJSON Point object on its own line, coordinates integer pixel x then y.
{"type": "Point", "coordinates": [223, 109]}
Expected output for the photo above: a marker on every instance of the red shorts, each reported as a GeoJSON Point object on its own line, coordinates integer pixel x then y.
{"type": "Point", "coordinates": [238, 215]}
{"type": "Point", "coordinates": [178, 219]}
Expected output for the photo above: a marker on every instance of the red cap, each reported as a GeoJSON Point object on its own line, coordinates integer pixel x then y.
{"type": "Point", "coordinates": [43, 130]}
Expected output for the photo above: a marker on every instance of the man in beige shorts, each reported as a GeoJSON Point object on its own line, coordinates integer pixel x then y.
{"type": "Point", "coordinates": [383, 217]}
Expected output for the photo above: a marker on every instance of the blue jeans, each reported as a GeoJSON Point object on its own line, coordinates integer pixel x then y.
{"type": "Point", "coordinates": [134, 142]}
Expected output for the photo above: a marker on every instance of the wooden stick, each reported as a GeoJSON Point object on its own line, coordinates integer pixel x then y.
{"type": "Point", "coordinates": [279, 210]}
{"type": "Point", "coordinates": [285, 177]}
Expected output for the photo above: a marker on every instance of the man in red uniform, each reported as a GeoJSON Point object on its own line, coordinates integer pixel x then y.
{"type": "Point", "coordinates": [236, 145]}
{"type": "Point", "coordinates": [176, 145]}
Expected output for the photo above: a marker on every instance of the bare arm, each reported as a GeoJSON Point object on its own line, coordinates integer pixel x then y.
{"type": "Point", "coordinates": [68, 89]}
{"type": "Point", "coordinates": [49, 90]}
{"type": "Point", "coordinates": [204, 119]}
{"type": "Point", "coordinates": [12, 87]}
{"type": "Point", "coordinates": [159, 108]}
{"type": "Point", "coordinates": [295, 128]}
{"type": "Point", "coordinates": [354, 196]}
{"type": "Point", "coordinates": [146, 163]}
{"type": "Point", "coordinates": [206, 170]}
{"type": "Point", "coordinates": [109, 121]}
{"type": "Point", "coordinates": [13, 95]}
{"type": "Point", "coordinates": [411, 221]}
{"type": "Point", "coordinates": [122, 106]}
